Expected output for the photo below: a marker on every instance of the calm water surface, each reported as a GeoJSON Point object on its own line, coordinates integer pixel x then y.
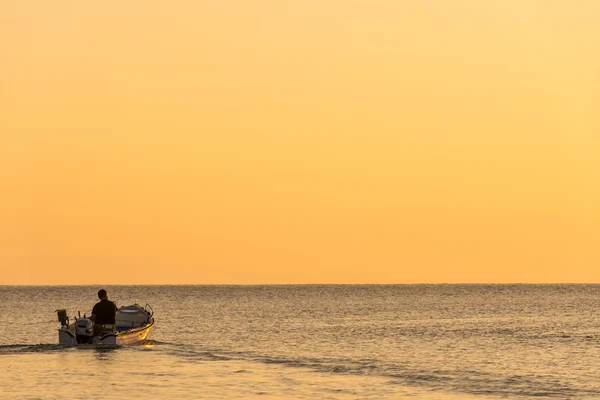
{"type": "Point", "coordinates": [313, 342]}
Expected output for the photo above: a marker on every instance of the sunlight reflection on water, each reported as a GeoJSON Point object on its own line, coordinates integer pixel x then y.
{"type": "Point", "coordinates": [338, 342]}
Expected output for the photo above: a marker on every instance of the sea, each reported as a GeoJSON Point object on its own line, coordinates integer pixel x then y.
{"type": "Point", "coordinates": [448, 342]}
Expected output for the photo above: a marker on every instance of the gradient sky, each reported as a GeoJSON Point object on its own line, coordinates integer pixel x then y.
{"type": "Point", "coordinates": [306, 141]}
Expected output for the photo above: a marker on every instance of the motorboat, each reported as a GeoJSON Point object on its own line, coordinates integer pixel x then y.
{"type": "Point", "coordinates": [133, 324]}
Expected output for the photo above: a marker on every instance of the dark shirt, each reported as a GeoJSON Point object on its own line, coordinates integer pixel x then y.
{"type": "Point", "coordinates": [105, 311]}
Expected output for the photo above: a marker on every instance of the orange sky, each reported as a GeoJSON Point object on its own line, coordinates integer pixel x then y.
{"type": "Point", "coordinates": [308, 141]}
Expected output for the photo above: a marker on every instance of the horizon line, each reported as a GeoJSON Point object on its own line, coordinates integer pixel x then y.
{"type": "Point", "coordinates": [307, 284]}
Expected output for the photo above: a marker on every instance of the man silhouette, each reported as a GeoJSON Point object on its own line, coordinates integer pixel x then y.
{"type": "Point", "coordinates": [104, 313]}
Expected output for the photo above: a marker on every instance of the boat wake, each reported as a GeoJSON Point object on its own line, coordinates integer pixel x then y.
{"type": "Point", "coordinates": [30, 348]}
{"type": "Point", "coordinates": [53, 347]}
{"type": "Point", "coordinates": [152, 342]}
{"type": "Point", "coordinates": [465, 381]}
{"type": "Point", "coordinates": [472, 382]}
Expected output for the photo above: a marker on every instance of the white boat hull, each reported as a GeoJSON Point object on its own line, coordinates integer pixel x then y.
{"type": "Point", "coordinates": [133, 336]}
{"type": "Point", "coordinates": [130, 337]}
{"type": "Point", "coordinates": [133, 325]}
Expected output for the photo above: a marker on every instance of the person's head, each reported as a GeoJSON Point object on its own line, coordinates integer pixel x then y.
{"type": "Point", "coordinates": [102, 294]}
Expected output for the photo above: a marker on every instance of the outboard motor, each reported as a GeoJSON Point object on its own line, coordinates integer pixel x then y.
{"type": "Point", "coordinates": [63, 318]}
{"type": "Point", "coordinates": [84, 330]}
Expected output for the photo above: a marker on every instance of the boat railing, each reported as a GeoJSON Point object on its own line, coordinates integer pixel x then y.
{"type": "Point", "coordinates": [148, 306]}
